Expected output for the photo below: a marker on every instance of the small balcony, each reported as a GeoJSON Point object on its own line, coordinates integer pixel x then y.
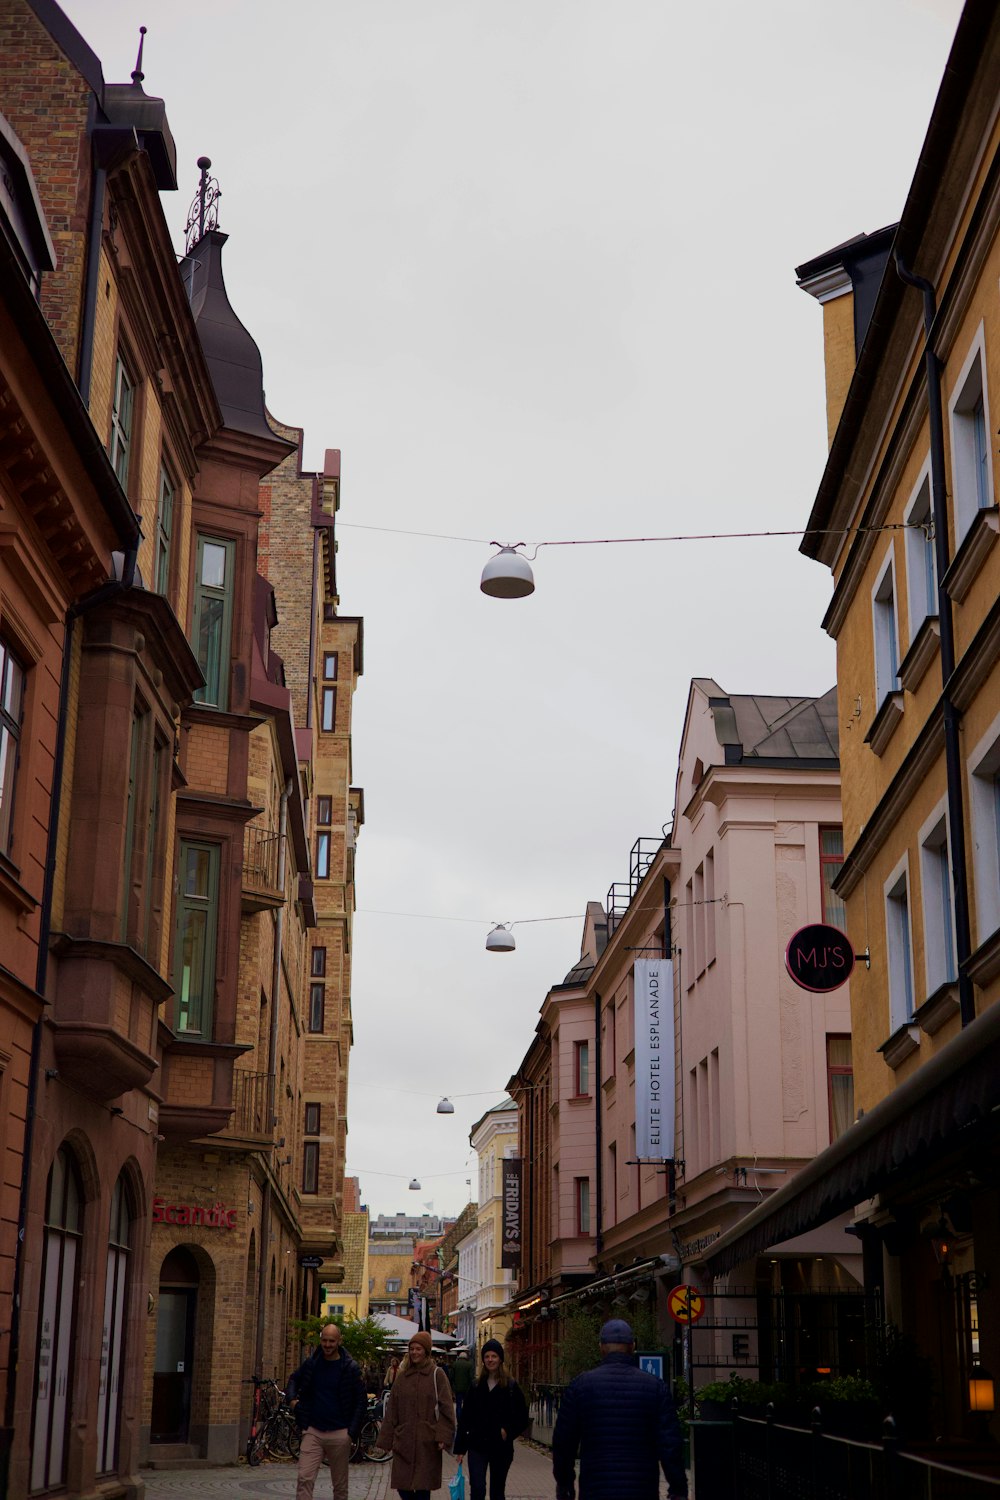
{"type": "Point", "coordinates": [260, 888]}
{"type": "Point", "coordinates": [253, 1107]}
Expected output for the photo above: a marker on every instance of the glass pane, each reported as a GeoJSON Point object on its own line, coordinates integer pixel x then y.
{"type": "Point", "coordinates": [210, 621]}
{"type": "Point", "coordinates": [841, 1103]}
{"type": "Point", "coordinates": [198, 872]}
{"type": "Point", "coordinates": [11, 683]}
{"type": "Point", "coordinates": [329, 708]}
{"type": "Point", "coordinates": [8, 761]}
{"type": "Point", "coordinates": [330, 665]}
{"type": "Point", "coordinates": [839, 1051]}
{"type": "Point", "coordinates": [831, 841]}
{"type": "Point", "coordinates": [194, 945]}
{"type": "Point", "coordinates": [213, 565]}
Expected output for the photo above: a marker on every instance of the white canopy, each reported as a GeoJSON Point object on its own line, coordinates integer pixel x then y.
{"type": "Point", "coordinates": [401, 1330]}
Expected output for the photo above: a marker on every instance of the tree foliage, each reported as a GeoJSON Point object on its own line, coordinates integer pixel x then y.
{"type": "Point", "coordinates": [363, 1338]}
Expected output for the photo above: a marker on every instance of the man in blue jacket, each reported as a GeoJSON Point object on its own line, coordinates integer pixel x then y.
{"type": "Point", "coordinates": [328, 1397]}
{"type": "Point", "coordinates": [623, 1424]}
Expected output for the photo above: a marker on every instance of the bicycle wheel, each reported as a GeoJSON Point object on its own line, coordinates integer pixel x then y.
{"type": "Point", "coordinates": [369, 1440]}
{"type": "Point", "coordinates": [293, 1437]}
{"type": "Point", "coordinates": [255, 1447]}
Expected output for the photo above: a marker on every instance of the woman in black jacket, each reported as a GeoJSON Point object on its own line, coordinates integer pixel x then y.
{"type": "Point", "coordinates": [494, 1413]}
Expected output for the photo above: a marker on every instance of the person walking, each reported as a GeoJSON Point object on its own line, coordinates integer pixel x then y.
{"type": "Point", "coordinates": [390, 1374]}
{"type": "Point", "coordinates": [328, 1397]}
{"type": "Point", "coordinates": [622, 1423]}
{"type": "Point", "coordinates": [463, 1378]}
{"type": "Point", "coordinates": [494, 1413]}
{"type": "Point", "coordinates": [419, 1422]}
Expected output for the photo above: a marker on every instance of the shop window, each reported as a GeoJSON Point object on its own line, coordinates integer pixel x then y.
{"type": "Point", "coordinates": [897, 925]}
{"type": "Point", "coordinates": [840, 1084]}
{"type": "Point", "coordinates": [310, 1167]}
{"type": "Point", "coordinates": [317, 1006]}
{"type": "Point", "coordinates": [197, 925]}
{"type": "Point", "coordinates": [116, 1285]}
{"type": "Point", "coordinates": [11, 709]}
{"type": "Point", "coordinates": [831, 858]}
{"type": "Point", "coordinates": [581, 1069]}
{"type": "Point", "coordinates": [921, 564]}
{"type": "Point", "coordinates": [122, 414]}
{"type": "Point", "coordinates": [582, 1196]}
{"type": "Point", "coordinates": [322, 856]}
{"type": "Point", "coordinates": [886, 633]}
{"type": "Point", "coordinates": [213, 617]}
{"type": "Point", "coordinates": [972, 467]}
{"type": "Point", "coordinates": [56, 1324]}
{"type": "Point", "coordinates": [311, 1126]}
{"type": "Point", "coordinates": [939, 921]}
{"type": "Point", "coordinates": [164, 531]}
{"type": "Point", "coordinates": [329, 721]}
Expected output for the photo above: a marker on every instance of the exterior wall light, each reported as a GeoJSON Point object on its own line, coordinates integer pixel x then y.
{"type": "Point", "coordinates": [508, 575]}
{"type": "Point", "coordinates": [445, 1107]}
{"type": "Point", "coordinates": [982, 1395]}
{"type": "Point", "coordinates": [500, 939]}
{"type": "Point", "coordinates": [414, 1185]}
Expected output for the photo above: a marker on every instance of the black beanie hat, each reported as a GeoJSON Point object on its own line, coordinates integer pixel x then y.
{"type": "Point", "coordinates": [496, 1347]}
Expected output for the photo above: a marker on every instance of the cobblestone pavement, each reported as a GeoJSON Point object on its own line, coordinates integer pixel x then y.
{"type": "Point", "coordinates": [530, 1478]}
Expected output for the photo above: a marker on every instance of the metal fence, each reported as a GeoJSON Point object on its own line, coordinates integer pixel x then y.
{"type": "Point", "coordinates": [775, 1462]}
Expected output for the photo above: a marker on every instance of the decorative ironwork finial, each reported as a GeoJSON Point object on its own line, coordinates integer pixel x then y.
{"type": "Point", "coordinates": [137, 74]}
{"type": "Point", "coordinates": [204, 211]}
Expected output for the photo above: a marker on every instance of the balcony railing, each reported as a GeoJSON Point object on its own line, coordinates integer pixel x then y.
{"type": "Point", "coordinates": [620, 892]}
{"type": "Point", "coordinates": [253, 1104]}
{"type": "Point", "coordinates": [260, 868]}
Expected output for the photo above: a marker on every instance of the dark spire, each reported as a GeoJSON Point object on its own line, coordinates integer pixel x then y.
{"type": "Point", "coordinates": [137, 74]}
{"type": "Point", "coordinates": [204, 211]}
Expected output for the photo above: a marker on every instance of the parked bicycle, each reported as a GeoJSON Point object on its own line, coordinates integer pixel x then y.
{"type": "Point", "coordinates": [366, 1444]}
{"type": "Point", "coordinates": [274, 1433]}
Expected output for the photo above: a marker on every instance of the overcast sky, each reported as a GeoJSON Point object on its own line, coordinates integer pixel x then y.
{"type": "Point", "coordinates": [530, 265]}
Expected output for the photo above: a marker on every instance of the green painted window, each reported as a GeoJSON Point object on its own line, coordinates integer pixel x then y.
{"type": "Point", "coordinates": [197, 925]}
{"type": "Point", "coordinates": [164, 531]}
{"type": "Point", "coordinates": [122, 408]}
{"type": "Point", "coordinates": [212, 625]}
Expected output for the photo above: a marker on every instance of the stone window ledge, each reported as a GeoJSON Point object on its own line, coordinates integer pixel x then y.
{"type": "Point", "coordinates": [938, 1007]}
{"type": "Point", "coordinates": [883, 726]}
{"type": "Point", "coordinates": [972, 552]}
{"type": "Point", "coordinates": [902, 1044]}
{"type": "Point", "coordinates": [984, 964]}
{"type": "Point", "coordinates": [923, 649]}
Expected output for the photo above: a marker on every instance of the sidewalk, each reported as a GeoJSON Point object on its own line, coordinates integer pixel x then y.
{"type": "Point", "coordinates": [530, 1478]}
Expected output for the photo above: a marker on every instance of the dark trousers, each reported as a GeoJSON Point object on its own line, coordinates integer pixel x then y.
{"type": "Point", "coordinates": [498, 1461]}
{"type": "Point", "coordinates": [414, 1494]}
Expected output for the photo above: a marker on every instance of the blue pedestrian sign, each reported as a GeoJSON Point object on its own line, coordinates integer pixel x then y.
{"type": "Point", "coordinates": [652, 1364]}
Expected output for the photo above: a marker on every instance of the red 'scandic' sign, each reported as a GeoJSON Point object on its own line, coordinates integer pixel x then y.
{"type": "Point", "coordinates": [216, 1217]}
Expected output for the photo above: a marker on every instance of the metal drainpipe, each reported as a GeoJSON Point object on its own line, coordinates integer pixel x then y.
{"type": "Point", "coordinates": [105, 591]}
{"type": "Point", "coordinates": [598, 1135]}
{"type": "Point", "coordinates": [272, 1060]}
{"type": "Point", "coordinates": [952, 746]}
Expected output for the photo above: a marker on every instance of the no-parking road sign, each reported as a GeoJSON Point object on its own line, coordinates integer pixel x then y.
{"type": "Point", "coordinates": [686, 1304]}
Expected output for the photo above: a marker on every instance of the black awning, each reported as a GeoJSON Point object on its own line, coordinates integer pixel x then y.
{"type": "Point", "coordinates": [947, 1100]}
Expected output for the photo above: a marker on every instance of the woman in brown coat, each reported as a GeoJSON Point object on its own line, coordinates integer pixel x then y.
{"type": "Point", "coordinates": [419, 1422]}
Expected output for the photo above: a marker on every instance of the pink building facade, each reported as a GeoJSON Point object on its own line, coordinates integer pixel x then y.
{"type": "Point", "coordinates": [761, 1080]}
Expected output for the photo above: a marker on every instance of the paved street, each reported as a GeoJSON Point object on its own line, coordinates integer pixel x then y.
{"type": "Point", "coordinates": [530, 1479]}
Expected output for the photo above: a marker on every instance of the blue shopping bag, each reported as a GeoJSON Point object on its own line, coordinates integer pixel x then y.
{"type": "Point", "coordinates": [456, 1485]}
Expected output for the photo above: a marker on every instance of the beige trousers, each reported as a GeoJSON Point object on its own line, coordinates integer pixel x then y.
{"type": "Point", "coordinates": [335, 1448]}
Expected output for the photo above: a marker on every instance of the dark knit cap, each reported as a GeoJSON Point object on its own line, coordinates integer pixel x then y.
{"type": "Point", "coordinates": [494, 1346]}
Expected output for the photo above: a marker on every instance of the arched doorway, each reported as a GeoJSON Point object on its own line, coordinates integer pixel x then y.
{"type": "Point", "coordinates": [115, 1325]}
{"type": "Point", "coordinates": [173, 1366]}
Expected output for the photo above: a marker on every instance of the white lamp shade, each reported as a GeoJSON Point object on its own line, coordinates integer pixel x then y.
{"type": "Point", "coordinates": [500, 941]}
{"type": "Point", "coordinates": [414, 1185]}
{"type": "Point", "coordinates": [445, 1107]}
{"type": "Point", "coordinates": [507, 576]}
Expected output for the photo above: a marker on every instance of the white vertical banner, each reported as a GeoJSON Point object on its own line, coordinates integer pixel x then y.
{"type": "Point", "coordinates": [653, 982]}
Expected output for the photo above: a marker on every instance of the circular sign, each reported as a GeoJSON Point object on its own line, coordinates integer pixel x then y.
{"type": "Point", "coordinates": [685, 1304]}
{"type": "Point", "coordinates": [819, 958]}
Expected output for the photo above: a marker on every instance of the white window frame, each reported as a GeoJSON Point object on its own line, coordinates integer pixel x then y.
{"type": "Point", "coordinates": [937, 900]}
{"type": "Point", "coordinates": [921, 563]}
{"type": "Point", "coordinates": [984, 805]}
{"type": "Point", "coordinates": [971, 493]}
{"type": "Point", "coordinates": [885, 630]}
{"type": "Point", "coordinates": [899, 944]}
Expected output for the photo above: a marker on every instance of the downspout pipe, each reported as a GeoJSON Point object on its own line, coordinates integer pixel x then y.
{"type": "Point", "coordinates": [272, 1066]}
{"type": "Point", "coordinates": [598, 1133]}
{"type": "Point", "coordinates": [952, 745]}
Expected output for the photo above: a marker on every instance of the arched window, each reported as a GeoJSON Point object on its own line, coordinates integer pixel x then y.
{"type": "Point", "coordinates": [56, 1323]}
{"type": "Point", "coordinates": [113, 1342]}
